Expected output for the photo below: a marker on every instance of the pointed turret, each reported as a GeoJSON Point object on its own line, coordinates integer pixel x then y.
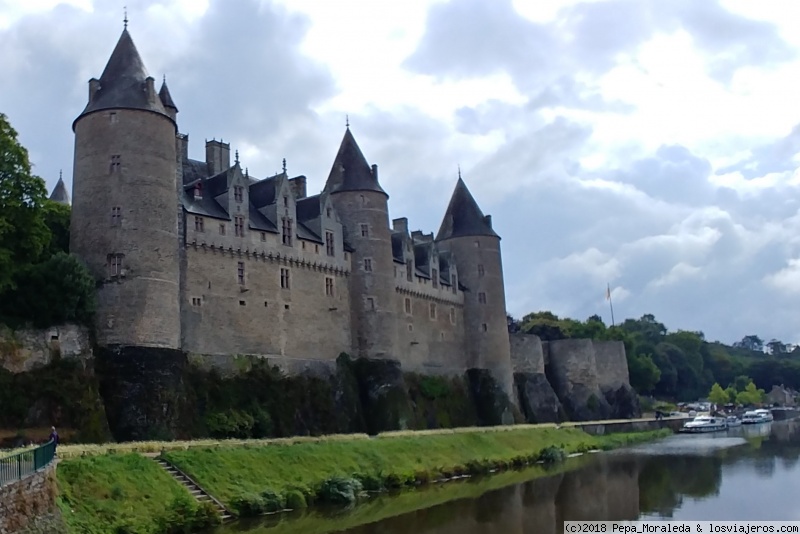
{"type": "Point", "coordinates": [60, 193]}
{"type": "Point", "coordinates": [463, 216]}
{"type": "Point", "coordinates": [350, 171]}
{"type": "Point", "coordinates": [124, 84]}
{"type": "Point", "coordinates": [166, 98]}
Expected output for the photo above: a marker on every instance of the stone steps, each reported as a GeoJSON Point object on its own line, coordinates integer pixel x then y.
{"type": "Point", "coordinates": [198, 493]}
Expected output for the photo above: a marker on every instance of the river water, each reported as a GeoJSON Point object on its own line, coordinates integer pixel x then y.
{"type": "Point", "coordinates": [748, 473]}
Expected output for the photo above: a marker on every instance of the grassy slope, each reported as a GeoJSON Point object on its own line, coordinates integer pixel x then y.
{"type": "Point", "coordinates": [101, 491]}
{"type": "Point", "coordinates": [229, 473]}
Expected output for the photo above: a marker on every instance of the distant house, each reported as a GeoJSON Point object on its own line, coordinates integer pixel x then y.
{"type": "Point", "coordinates": [781, 395]}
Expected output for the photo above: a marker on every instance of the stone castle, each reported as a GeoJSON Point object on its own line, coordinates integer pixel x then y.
{"type": "Point", "coordinates": [202, 257]}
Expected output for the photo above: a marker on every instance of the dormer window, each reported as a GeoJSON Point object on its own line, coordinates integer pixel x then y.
{"type": "Point", "coordinates": [238, 193]}
{"type": "Point", "coordinates": [239, 226]}
{"type": "Point", "coordinates": [435, 277]}
{"type": "Point", "coordinates": [287, 231]}
{"type": "Point", "coordinates": [286, 201]}
{"type": "Point", "coordinates": [198, 191]}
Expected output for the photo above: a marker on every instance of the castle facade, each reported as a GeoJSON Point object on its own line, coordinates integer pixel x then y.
{"type": "Point", "coordinates": [199, 255]}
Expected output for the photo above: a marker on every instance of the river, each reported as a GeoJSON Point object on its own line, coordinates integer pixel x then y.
{"type": "Point", "coordinates": [747, 473]}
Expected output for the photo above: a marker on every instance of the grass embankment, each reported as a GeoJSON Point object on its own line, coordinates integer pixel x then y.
{"type": "Point", "coordinates": [252, 480]}
{"type": "Point", "coordinates": [123, 494]}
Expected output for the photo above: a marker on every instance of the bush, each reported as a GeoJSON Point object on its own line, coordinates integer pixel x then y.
{"type": "Point", "coordinates": [340, 490]}
{"type": "Point", "coordinates": [552, 455]}
{"type": "Point", "coordinates": [295, 500]}
{"type": "Point", "coordinates": [371, 482]}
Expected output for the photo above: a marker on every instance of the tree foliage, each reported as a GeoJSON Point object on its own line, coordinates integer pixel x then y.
{"type": "Point", "coordinates": [717, 395]}
{"type": "Point", "coordinates": [40, 283]}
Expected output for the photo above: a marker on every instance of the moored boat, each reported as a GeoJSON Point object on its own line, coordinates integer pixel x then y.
{"type": "Point", "coordinates": [757, 416]}
{"type": "Point", "coordinates": [705, 423]}
{"type": "Point", "coordinates": [732, 420]}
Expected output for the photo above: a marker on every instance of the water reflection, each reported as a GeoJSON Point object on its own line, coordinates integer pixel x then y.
{"type": "Point", "coordinates": [749, 474]}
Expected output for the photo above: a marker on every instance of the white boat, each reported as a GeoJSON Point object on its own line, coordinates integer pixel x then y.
{"type": "Point", "coordinates": [732, 420]}
{"type": "Point", "coordinates": [757, 416]}
{"type": "Point", "coordinates": [705, 423]}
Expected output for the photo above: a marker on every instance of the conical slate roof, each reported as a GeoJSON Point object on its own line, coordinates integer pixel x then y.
{"type": "Point", "coordinates": [60, 193]}
{"type": "Point", "coordinates": [165, 97]}
{"type": "Point", "coordinates": [122, 84]}
{"type": "Point", "coordinates": [463, 216]}
{"type": "Point", "coordinates": [350, 171]}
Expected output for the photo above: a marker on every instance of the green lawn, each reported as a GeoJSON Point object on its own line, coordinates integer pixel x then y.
{"type": "Point", "coordinates": [234, 472]}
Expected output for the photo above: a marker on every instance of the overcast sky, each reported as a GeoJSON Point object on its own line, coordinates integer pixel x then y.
{"type": "Point", "coordinates": [647, 144]}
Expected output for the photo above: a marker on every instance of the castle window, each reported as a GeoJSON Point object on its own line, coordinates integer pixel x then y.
{"type": "Point", "coordinates": [454, 283]}
{"type": "Point", "coordinates": [316, 249]}
{"type": "Point", "coordinates": [368, 264]}
{"type": "Point", "coordinates": [222, 229]}
{"type": "Point", "coordinates": [116, 216]}
{"type": "Point", "coordinates": [329, 246]}
{"type": "Point", "coordinates": [115, 264]}
{"type": "Point", "coordinates": [410, 271]}
{"type": "Point", "coordinates": [285, 281]}
{"type": "Point", "coordinates": [263, 236]}
{"type": "Point", "coordinates": [484, 327]}
{"type": "Point", "coordinates": [266, 304]}
{"type": "Point", "coordinates": [240, 273]}
{"type": "Point", "coordinates": [238, 193]}
{"type": "Point", "coordinates": [286, 201]}
{"type": "Point", "coordinates": [481, 271]}
{"type": "Point", "coordinates": [452, 315]}
{"type": "Point", "coordinates": [477, 244]}
{"type": "Point", "coordinates": [198, 191]}
{"type": "Point", "coordinates": [112, 117]}
{"type": "Point", "coordinates": [363, 200]}
{"type": "Point", "coordinates": [435, 277]}
{"type": "Point", "coordinates": [328, 212]}
{"type": "Point", "coordinates": [433, 310]}
{"type": "Point", "coordinates": [371, 303]}
{"type": "Point", "coordinates": [328, 286]}
{"type": "Point", "coordinates": [116, 162]}
{"type": "Point", "coordinates": [410, 327]}
{"type": "Point", "coordinates": [198, 224]}
{"type": "Point", "coordinates": [286, 228]}
{"type": "Point", "coordinates": [285, 306]}
{"type": "Point", "coordinates": [242, 303]}
{"type": "Point", "coordinates": [238, 222]}
{"type": "Point", "coordinates": [482, 297]}
{"type": "Point", "coordinates": [408, 305]}
{"type": "Point", "coordinates": [197, 301]}
{"type": "Point", "coordinates": [303, 245]}
{"type": "Point", "coordinates": [364, 230]}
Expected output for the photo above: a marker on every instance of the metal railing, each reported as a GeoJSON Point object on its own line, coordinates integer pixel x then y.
{"type": "Point", "coordinates": [19, 465]}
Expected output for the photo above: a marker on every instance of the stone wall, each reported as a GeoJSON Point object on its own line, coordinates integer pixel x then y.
{"type": "Point", "coordinates": [611, 363]}
{"type": "Point", "coordinates": [26, 349]}
{"type": "Point", "coordinates": [294, 326]}
{"type": "Point", "coordinates": [29, 505]}
{"type": "Point", "coordinates": [572, 371]}
{"type": "Point", "coordinates": [527, 355]}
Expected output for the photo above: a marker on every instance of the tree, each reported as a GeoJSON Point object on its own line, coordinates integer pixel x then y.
{"type": "Point", "coordinates": [751, 395]}
{"type": "Point", "coordinates": [56, 217]}
{"type": "Point", "coordinates": [644, 374]}
{"type": "Point", "coordinates": [776, 347]}
{"type": "Point", "coordinates": [751, 342]}
{"type": "Point", "coordinates": [717, 395]}
{"type": "Point", "coordinates": [23, 232]}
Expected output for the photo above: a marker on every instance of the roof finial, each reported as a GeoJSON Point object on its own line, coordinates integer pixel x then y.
{"type": "Point", "coordinates": [237, 156]}
{"type": "Point", "coordinates": [246, 172]}
{"type": "Point", "coordinates": [347, 121]}
{"type": "Point", "coordinates": [284, 165]}
{"type": "Point", "coordinates": [164, 79]}
{"type": "Point", "coordinates": [125, 20]}
{"type": "Point", "coordinates": [59, 174]}
{"type": "Point", "coordinates": [459, 171]}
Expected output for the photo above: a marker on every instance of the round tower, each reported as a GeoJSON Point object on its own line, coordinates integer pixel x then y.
{"type": "Point", "coordinates": [475, 247]}
{"type": "Point", "coordinates": [362, 206]}
{"type": "Point", "coordinates": [125, 205]}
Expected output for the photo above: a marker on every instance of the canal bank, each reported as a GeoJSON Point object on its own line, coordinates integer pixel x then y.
{"type": "Point", "coordinates": [119, 489]}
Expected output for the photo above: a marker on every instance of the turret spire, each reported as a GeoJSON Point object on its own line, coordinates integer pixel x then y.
{"type": "Point", "coordinates": [125, 20]}
{"type": "Point", "coordinates": [60, 193]}
{"type": "Point", "coordinates": [463, 216]}
{"type": "Point", "coordinates": [350, 171]}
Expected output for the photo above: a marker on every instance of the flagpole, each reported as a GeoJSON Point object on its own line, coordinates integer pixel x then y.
{"type": "Point", "coordinates": [610, 304]}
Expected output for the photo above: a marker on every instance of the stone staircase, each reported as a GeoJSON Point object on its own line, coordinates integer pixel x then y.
{"type": "Point", "coordinates": [194, 489]}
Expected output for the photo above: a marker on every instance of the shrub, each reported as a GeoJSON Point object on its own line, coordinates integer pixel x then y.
{"type": "Point", "coordinates": [340, 490]}
{"type": "Point", "coordinates": [370, 482]}
{"type": "Point", "coordinates": [248, 505]}
{"type": "Point", "coordinates": [552, 455]}
{"type": "Point", "coordinates": [295, 500]}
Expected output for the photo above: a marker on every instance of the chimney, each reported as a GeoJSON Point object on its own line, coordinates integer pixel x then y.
{"type": "Point", "coordinates": [218, 156]}
{"type": "Point", "coordinates": [150, 89]}
{"type": "Point", "coordinates": [400, 225]}
{"type": "Point", "coordinates": [298, 185]}
{"type": "Point", "coordinates": [183, 146]}
{"type": "Point", "coordinates": [374, 172]}
{"type": "Point", "coordinates": [94, 86]}
{"type": "Point", "coordinates": [488, 220]}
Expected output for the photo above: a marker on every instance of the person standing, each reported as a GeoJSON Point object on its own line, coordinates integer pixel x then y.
{"type": "Point", "coordinates": [54, 436]}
